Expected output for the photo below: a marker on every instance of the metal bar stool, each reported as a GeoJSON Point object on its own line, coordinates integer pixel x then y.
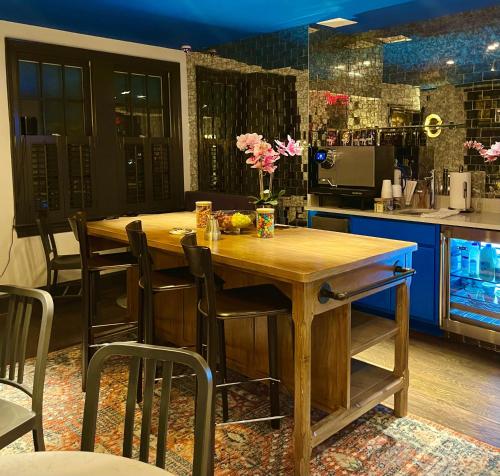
{"type": "Point", "coordinates": [92, 265]}
{"type": "Point", "coordinates": [55, 262]}
{"type": "Point", "coordinates": [217, 306]}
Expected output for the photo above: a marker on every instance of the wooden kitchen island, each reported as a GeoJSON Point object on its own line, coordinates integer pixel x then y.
{"type": "Point", "coordinates": [322, 272]}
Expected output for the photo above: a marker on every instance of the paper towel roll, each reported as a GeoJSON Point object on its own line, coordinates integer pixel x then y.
{"type": "Point", "coordinates": [460, 190]}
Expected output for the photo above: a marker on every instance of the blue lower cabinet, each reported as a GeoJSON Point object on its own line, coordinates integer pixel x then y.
{"type": "Point", "coordinates": [424, 291]}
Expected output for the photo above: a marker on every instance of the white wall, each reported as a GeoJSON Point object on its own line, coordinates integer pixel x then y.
{"type": "Point", "coordinates": [27, 266]}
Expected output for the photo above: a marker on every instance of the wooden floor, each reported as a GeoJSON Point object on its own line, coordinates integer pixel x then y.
{"type": "Point", "coordinates": [453, 384]}
{"type": "Point", "coordinates": [456, 385]}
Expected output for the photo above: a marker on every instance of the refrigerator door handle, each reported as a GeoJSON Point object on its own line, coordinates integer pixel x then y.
{"type": "Point", "coordinates": [444, 282]}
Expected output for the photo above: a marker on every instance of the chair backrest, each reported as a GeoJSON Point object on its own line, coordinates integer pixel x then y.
{"type": "Point", "coordinates": [153, 356]}
{"type": "Point", "coordinates": [199, 259]}
{"type": "Point", "coordinates": [133, 238]}
{"type": "Point", "coordinates": [139, 247]}
{"type": "Point", "coordinates": [14, 338]}
{"type": "Point", "coordinates": [78, 224]}
{"type": "Point", "coordinates": [46, 235]}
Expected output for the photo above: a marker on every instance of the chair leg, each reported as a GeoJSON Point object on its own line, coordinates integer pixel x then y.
{"type": "Point", "coordinates": [54, 279]}
{"type": "Point", "coordinates": [200, 327]}
{"type": "Point", "coordinates": [140, 339]}
{"type": "Point", "coordinates": [38, 440]}
{"type": "Point", "coordinates": [86, 286]}
{"type": "Point", "coordinates": [223, 368]}
{"type": "Point", "coordinates": [49, 278]}
{"type": "Point", "coordinates": [274, 386]}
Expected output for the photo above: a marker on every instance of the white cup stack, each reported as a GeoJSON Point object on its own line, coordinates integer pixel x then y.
{"type": "Point", "coordinates": [386, 189]}
{"type": "Point", "coordinates": [397, 191]}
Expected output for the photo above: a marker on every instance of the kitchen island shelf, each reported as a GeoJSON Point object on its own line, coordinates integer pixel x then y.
{"type": "Point", "coordinates": [367, 330]}
{"type": "Point", "coordinates": [369, 385]}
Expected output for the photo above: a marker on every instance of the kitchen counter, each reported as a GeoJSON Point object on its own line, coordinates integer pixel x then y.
{"type": "Point", "coordinates": [484, 220]}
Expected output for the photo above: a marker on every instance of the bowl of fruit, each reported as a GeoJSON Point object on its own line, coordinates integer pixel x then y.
{"type": "Point", "coordinates": [233, 221]}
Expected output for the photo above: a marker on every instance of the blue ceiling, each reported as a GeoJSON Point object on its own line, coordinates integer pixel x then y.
{"type": "Point", "coordinates": [204, 23]}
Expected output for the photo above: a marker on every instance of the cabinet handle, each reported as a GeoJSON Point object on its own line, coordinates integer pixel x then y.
{"type": "Point", "coordinates": [325, 293]}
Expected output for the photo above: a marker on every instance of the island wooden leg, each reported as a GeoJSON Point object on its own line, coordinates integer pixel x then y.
{"type": "Point", "coordinates": [401, 347]}
{"type": "Point", "coordinates": [302, 437]}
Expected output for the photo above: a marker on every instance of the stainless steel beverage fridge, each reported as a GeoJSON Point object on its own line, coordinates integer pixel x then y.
{"type": "Point", "coordinates": [470, 283]}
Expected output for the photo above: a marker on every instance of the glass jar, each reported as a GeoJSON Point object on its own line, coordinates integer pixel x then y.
{"type": "Point", "coordinates": [265, 222]}
{"type": "Point", "coordinates": [203, 212]}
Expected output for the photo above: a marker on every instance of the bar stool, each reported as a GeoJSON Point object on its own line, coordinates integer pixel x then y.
{"type": "Point", "coordinates": [54, 261]}
{"type": "Point", "coordinates": [152, 281]}
{"type": "Point", "coordinates": [217, 306]}
{"type": "Point", "coordinates": [92, 265]}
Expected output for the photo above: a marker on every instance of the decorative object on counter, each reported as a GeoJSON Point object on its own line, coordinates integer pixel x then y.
{"type": "Point", "coordinates": [203, 212]}
{"type": "Point", "coordinates": [460, 191]}
{"type": "Point", "coordinates": [409, 191]}
{"type": "Point", "coordinates": [263, 157]}
{"type": "Point", "coordinates": [386, 189]}
{"type": "Point", "coordinates": [397, 191]}
{"type": "Point", "coordinates": [489, 155]}
{"type": "Point", "coordinates": [233, 221]}
{"type": "Point", "coordinates": [212, 231]}
{"type": "Point", "coordinates": [265, 222]}
{"type": "Point", "coordinates": [378, 206]}
{"type": "Point", "coordinates": [180, 231]}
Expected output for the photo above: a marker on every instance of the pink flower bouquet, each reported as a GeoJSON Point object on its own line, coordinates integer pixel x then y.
{"type": "Point", "coordinates": [263, 157]}
{"type": "Point", "coordinates": [489, 155]}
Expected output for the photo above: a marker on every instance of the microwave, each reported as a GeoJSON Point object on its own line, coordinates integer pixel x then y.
{"type": "Point", "coordinates": [350, 171]}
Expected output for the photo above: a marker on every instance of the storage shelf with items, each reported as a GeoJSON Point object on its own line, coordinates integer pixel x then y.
{"type": "Point", "coordinates": [475, 282]}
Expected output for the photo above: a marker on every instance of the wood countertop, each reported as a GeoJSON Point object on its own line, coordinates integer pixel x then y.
{"type": "Point", "coordinates": [293, 255]}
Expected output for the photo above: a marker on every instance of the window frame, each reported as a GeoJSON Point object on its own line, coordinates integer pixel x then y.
{"type": "Point", "coordinates": [99, 127]}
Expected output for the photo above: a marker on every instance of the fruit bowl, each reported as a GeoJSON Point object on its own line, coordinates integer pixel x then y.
{"type": "Point", "coordinates": [233, 221]}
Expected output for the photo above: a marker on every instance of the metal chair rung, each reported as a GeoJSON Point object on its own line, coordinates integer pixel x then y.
{"type": "Point", "coordinates": [229, 384]}
{"type": "Point", "coordinates": [252, 420]}
{"type": "Point", "coordinates": [109, 343]}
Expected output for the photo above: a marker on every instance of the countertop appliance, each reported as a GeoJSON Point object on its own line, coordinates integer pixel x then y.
{"type": "Point", "coordinates": [470, 283]}
{"type": "Point", "coordinates": [350, 172]}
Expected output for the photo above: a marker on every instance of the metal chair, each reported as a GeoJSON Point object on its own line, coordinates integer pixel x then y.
{"type": "Point", "coordinates": [152, 281]}
{"type": "Point", "coordinates": [92, 265]}
{"type": "Point", "coordinates": [15, 420]}
{"type": "Point", "coordinates": [217, 306]}
{"type": "Point", "coordinates": [204, 430]}
{"type": "Point", "coordinates": [54, 261]}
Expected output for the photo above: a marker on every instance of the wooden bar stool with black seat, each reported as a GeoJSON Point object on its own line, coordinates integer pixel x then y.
{"type": "Point", "coordinates": [151, 281]}
{"type": "Point", "coordinates": [54, 261]}
{"type": "Point", "coordinates": [217, 306]}
{"type": "Point", "coordinates": [92, 265]}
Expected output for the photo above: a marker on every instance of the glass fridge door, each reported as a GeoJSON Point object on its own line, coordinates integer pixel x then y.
{"type": "Point", "coordinates": [474, 283]}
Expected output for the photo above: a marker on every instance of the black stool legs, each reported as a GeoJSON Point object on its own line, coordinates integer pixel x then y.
{"type": "Point", "coordinates": [223, 368]}
{"type": "Point", "coordinates": [274, 386]}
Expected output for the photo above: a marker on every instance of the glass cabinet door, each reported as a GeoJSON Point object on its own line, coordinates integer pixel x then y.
{"type": "Point", "coordinates": [474, 282]}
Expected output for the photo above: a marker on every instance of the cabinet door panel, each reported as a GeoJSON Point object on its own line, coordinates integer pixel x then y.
{"type": "Point", "coordinates": [423, 291]}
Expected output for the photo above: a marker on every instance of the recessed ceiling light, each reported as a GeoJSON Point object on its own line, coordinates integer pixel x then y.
{"type": "Point", "coordinates": [394, 39]}
{"type": "Point", "coordinates": [125, 92]}
{"type": "Point", "coordinates": [337, 22]}
{"type": "Point", "coordinates": [493, 46]}
{"type": "Point", "coordinates": [450, 62]}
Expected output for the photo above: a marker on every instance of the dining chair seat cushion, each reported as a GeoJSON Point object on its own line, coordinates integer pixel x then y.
{"type": "Point", "coordinates": [169, 279]}
{"type": "Point", "coordinates": [15, 421]}
{"type": "Point", "coordinates": [67, 262]}
{"type": "Point", "coordinates": [100, 262]}
{"type": "Point", "coordinates": [249, 301]}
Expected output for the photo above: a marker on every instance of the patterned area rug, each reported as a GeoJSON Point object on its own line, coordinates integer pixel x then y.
{"type": "Point", "coordinates": [376, 444]}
